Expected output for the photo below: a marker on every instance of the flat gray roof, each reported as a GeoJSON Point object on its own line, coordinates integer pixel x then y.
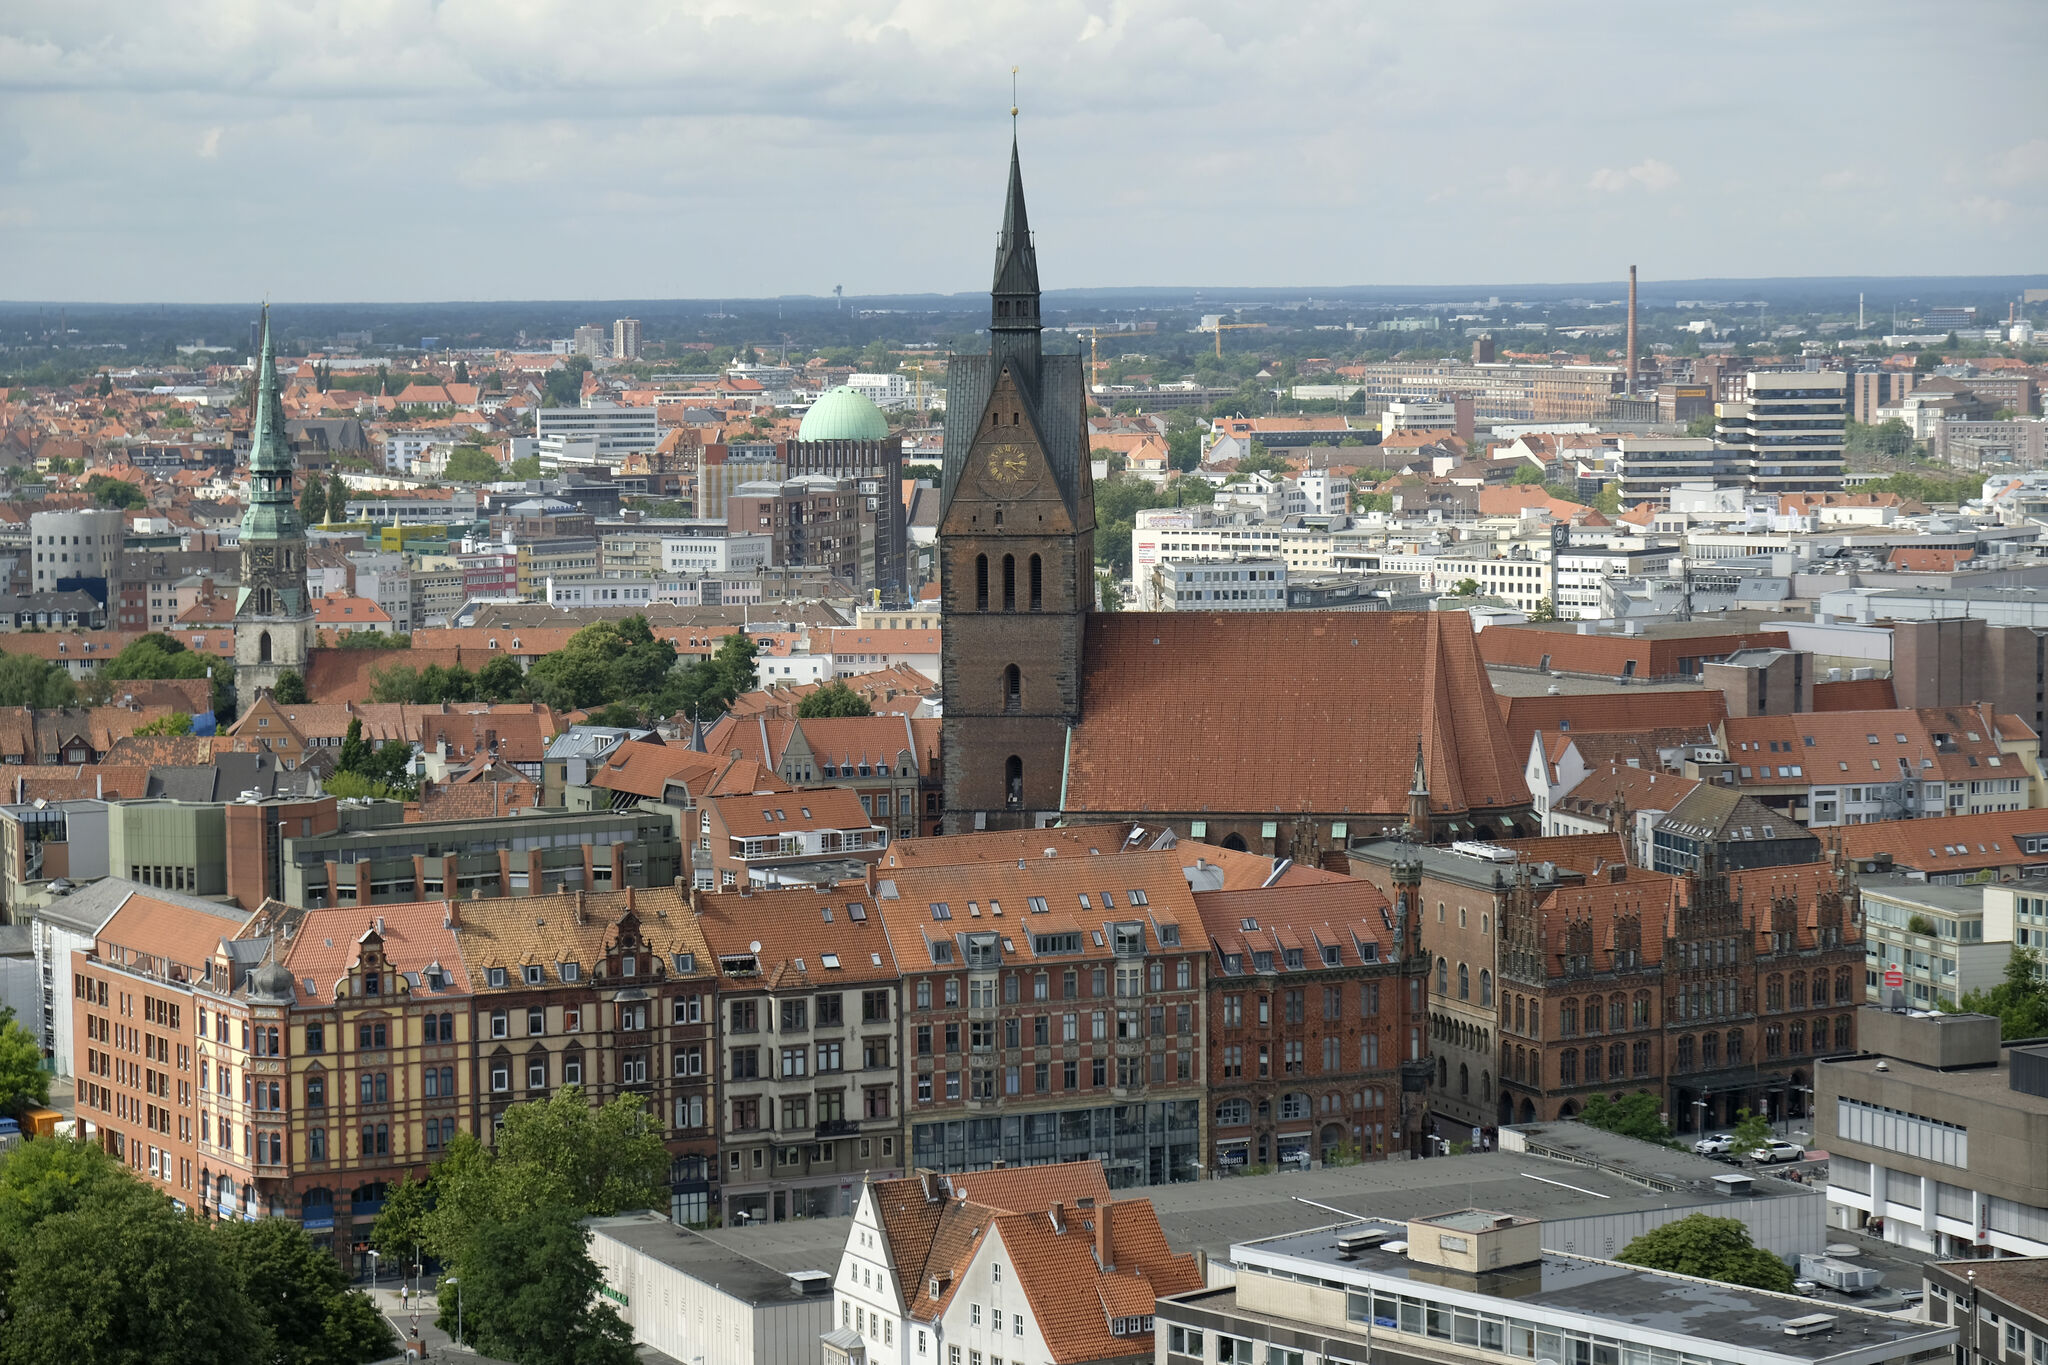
{"type": "Point", "coordinates": [753, 1267]}
{"type": "Point", "coordinates": [1663, 1168]}
{"type": "Point", "coordinates": [1714, 1314]}
{"type": "Point", "coordinates": [1899, 887]}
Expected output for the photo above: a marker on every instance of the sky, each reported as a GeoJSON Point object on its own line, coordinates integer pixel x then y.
{"type": "Point", "coordinates": [415, 150]}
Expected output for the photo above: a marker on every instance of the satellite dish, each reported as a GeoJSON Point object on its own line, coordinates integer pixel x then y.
{"type": "Point", "coordinates": [755, 946]}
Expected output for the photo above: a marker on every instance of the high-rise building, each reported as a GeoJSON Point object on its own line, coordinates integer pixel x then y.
{"type": "Point", "coordinates": [1788, 430]}
{"type": "Point", "coordinates": [589, 341]}
{"type": "Point", "coordinates": [626, 339]}
{"type": "Point", "coordinates": [273, 612]}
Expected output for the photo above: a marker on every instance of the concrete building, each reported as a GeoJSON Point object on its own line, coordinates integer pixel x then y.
{"type": "Point", "coordinates": [1473, 1284]}
{"type": "Point", "coordinates": [1935, 935]}
{"type": "Point", "coordinates": [1999, 1308]}
{"type": "Point", "coordinates": [1220, 585]}
{"type": "Point", "coordinates": [77, 550]}
{"type": "Point", "coordinates": [711, 1297]}
{"type": "Point", "coordinates": [626, 339]}
{"type": "Point", "coordinates": [1652, 466]}
{"type": "Point", "coordinates": [616, 431]}
{"type": "Point", "coordinates": [1937, 1135]}
{"type": "Point", "coordinates": [1787, 430]}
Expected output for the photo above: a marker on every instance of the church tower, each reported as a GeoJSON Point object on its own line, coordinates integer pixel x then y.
{"type": "Point", "coordinates": [1016, 554]}
{"type": "Point", "coordinates": [274, 612]}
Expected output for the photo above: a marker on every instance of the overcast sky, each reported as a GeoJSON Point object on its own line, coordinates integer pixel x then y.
{"type": "Point", "coordinates": [408, 150]}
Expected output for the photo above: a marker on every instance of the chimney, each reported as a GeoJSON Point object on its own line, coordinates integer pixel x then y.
{"type": "Point", "coordinates": [1105, 1254]}
{"type": "Point", "coordinates": [451, 914]}
{"type": "Point", "coordinates": [1631, 330]}
{"type": "Point", "coordinates": [629, 900]}
{"type": "Point", "coordinates": [582, 911]}
{"type": "Point", "coordinates": [1058, 1215]}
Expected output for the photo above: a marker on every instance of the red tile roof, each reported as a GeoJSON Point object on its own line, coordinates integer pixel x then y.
{"type": "Point", "coordinates": [1261, 713]}
{"type": "Point", "coordinates": [1612, 713]}
{"type": "Point", "coordinates": [1854, 694]}
{"type": "Point", "coordinates": [177, 933]}
{"type": "Point", "coordinates": [329, 941]}
{"type": "Point", "coordinates": [1612, 656]}
{"type": "Point", "coordinates": [1951, 844]}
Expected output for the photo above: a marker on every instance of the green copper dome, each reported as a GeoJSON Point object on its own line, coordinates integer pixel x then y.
{"type": "Point", "coordinates": [843, 414]}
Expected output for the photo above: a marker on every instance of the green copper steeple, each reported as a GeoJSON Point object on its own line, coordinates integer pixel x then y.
{"type": "Point", "coordinates": [273, 538]}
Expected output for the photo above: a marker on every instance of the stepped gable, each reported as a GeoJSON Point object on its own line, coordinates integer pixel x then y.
{"type": "Point", "coordinates": [1286, 712]}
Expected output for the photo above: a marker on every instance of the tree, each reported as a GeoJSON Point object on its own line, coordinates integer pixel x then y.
{"type": "Point", "coordinates": [526, 467]}
{"type": "Point", "coordinates": [1710, 1249]}
{"type": "Point", "coordinates": [529, 1292]}
{"type": "Point", "coordinates": [1927, 361]}
{"type": "Point", "coordinates": [175, 724]}
{"type": "Point", "coordinates": [106, 491]}
{"type": "Point", "coordinates": [290, 689]}
{"type": "Point", "coordinates": [1638, 1116]}
{"type": "Point", "coordinates": [400, 1231]}
{"type": "Point", "coordinates": [355, 750]}
{"type": "Point", "coordinates": [1466, 587]}
{"type": "Point", "coordinates": [1263, 461]}
{"type": "Point", "coordinates": [1608, 503]}
{"type": "Point", "coordinates": [373, 639]}
{"type": "Point", "coordinates": [501, 680]}
{"type": "Point", "coordinates": [1546, 610]}
{"type": "Point", "coordinates": [125, 1281]}
{"type": "Point", "coordinates": [337, 498]}
{"type": "Point", "coordinates": [1929, 488]}
{"type": "Point", "coordinates": [305, 1312]}
{"type": "Point", "coordinates": [2019, 1003]}
{"type": "Point", "coordinates": [835, 698]}
{"type": "Point", "coordinates": [24, 1085]}
{"type": "Point", "coordinates": [1108, 595]}
{"type": "Point", "coordinates": [473, 464]}
{"type": "Point", "coordinates": [356, 787]}
{"type": "Point", "coordinates": [462, 371]}
{"type": "Point", "coordinates": [1752, 1134]}
{"type": "Point", "coordinates": [1702, 425]}
{"type": "Point", "coordinates": [313, 501]}
{"type": "Point", "coordinates": [164, 656]}
{"type": "Point", "coordinates": [1183, 442]}
{"type": "Point", "coordinates": [106, 387]}
{"type": "Point", "coordinates": [1527, 473]}
{"type": "Point", "coordinates": [26, 680]}
{"type": "Point", "coordinates": [564, 387]}
{"type": "Point", "coordinates": [1891, 438]}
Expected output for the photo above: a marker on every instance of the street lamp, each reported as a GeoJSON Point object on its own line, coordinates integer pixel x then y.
{"type": "Point", "coordinates": [458, 1306]}
{"type": "Point", "coordinates": [373, 1272]}
{"type": "Point", "coordinates": [1700, 1124]}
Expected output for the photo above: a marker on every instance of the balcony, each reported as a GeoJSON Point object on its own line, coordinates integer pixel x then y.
{"type": "Point", "coordinates": [837, 1128]}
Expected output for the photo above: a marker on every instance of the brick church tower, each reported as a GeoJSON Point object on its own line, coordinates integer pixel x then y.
{"type": "Point", "coordinates": [1016, 554]}
{"type": "Point", "coordinates": [274, 629]}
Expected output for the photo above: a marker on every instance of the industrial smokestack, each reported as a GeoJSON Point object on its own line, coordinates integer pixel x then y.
{"type": "Point", "coordinates": [1631, 329]}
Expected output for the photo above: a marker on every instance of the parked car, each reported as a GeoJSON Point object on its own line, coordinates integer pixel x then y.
{"type": "Point", "coordinates": [1778, 1150]}
{"type": "Point", "coordinates": [1716, 1144]}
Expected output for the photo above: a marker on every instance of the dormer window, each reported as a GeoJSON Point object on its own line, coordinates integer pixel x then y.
{"type": "Point", "coordinates": [495, 976]}
{"type": "Point", "coordinates": [627, 965]}
{"type": "Point", "coordinates": [372, 984]}
{"type": "Point", "coordinates": [533, 974]}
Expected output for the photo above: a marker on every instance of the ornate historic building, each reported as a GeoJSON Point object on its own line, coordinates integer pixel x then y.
{"type": "Point", "coordinates": [274, 612]}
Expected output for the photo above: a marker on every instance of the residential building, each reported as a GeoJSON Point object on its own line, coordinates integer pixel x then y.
{"type": "Point", "coordinates": [1712, 826]}
{"type": "Point", "coordinates": [1935, 936]}
{"type": "Point", "coordinates": [1583, 561]}
{"type": "Point", "coordinates": [1053, 1012]}
{"type": "Point", "coordinates": [813, 521]}
{"type": "Point", "coordinates": [176, 1069]}
{"type": "Point", "coordinates": [890, 762]}
{"type": "Point", "coordinates": [376, 858]}
{"type": "Point", "coordinates": [626, 339]}
{"type": "Point", "coordinates": [2007, 846]}
{"type": "Point", "coordinates": [1937, 1135]}
{"type": "Point", "coordinates": [808, 836]}
{"type": "Point", "coordinates": [1651, 466]}
{"type": "Point", "coordinates": [809, 1076]}
{"type": "Point", "coordinates": [1472, 1284]}
{"type": "Point", "coordinates": [1852, 767]}
{"type": "Point", "coordinates": [1022, 1265]}
{"type": "Point", "coordinates": [1316, 1044]}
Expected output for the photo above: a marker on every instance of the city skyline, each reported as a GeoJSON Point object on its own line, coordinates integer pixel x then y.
{"type": "Point", "coordinates": [698, 151]}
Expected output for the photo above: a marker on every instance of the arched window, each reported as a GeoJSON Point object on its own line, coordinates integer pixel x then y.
{"type": "Point", "coordinates": [1009, 582]}
{"type": "Point", "coordinates": [1519, 1025]}
{"type": "Point", "coordinates": [1735, 1047]}
{"type": "Point", "coordinates": [1443, 976]}
{"type": "Point", "coordinates": [1464, 982]}
{"type": "Point", "coordinates": [1443, 1072]}
{"type": "Point", "coordinates": [1037, 584]}
{"type": "Point", "coordinates": [1013, 689]}
{"type": "Point", "coordinates": [1013, 782]}
{"type": "Point", "coordinates": [981, 582]}
{"type": "Point", "coordinates": [1485, 986]}
{"type": "Point", "coordinates": [1231, 1113]}
{"type": "Point", "coordinates": [1464, 1079]}
{"type": "Point", "coordinates": [1617, 1013]}
{"type": "Point", "coordinates": [263, 648]}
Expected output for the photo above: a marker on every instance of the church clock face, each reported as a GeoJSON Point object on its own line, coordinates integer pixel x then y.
{"type": "Point", "coordinates": [1006, 470]}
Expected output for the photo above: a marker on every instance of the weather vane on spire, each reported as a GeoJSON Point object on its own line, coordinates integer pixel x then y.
{"type": "Point", "coordinates": [1013, 96]}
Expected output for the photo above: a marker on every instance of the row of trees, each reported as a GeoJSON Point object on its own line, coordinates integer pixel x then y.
{"type": "Point", "coordinates": [97, 1266]}
{"type": "Point", "coordinates": [2019, 1002]}
{"type": "Point", "coordinates": [321, 502]}
{"type": "Point", "coordinates": [26, 680]}
{"type": "Point", "coordinates": [505, 1223]}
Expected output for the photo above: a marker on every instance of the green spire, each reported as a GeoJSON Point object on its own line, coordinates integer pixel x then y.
{"type": "Point", "coordinates": [273, 512]}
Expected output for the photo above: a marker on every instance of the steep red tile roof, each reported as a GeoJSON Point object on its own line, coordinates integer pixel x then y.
{"type": "Point", "coordinates": [328, 942]}
{"type": "Point", "coordinates": [176, 933]}
{"type": "Point", "coordinates": [1954, 743]}
{"type": "Point", "coordinates": [1274, 700]}
{"type": "Point", "coordinates": [1611, 713]}
{"type": "Point", "coordinates": [1574, 852]}
{"type": "Point", "coordinates": [754, 816]}
{"type": "Point", "coordinates": [808, 939]}
{"type": "Point", "coordinates": [1341, 915]}
{"type": "Point", "coordinates": [1953, 843]}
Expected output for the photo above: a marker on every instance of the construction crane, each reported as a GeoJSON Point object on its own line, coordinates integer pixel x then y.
{"type": "Point", "coordinates": [1223, 327]}
{"type": "Point", "coordinates": [1094, 364]}
{"type": "Point", "coordinates": [917, 369]}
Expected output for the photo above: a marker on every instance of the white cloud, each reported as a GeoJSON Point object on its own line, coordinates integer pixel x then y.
{"type": "Point", "coordinates": [1653, 175]}
{"type": "Point", "coordinates": [2026, 164]}
{"type": "Point", "coordinates": [209, 143]}
{"type": "Point", "coordinates": [1608, 180]}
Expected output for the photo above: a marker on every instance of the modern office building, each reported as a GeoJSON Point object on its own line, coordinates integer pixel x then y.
{"type": "Point", "coordinates": [1651, 466]}
{"type": "Point", "coordinates": [1220, 585]}
{"type": "Point", "coordinates": [1937, 1135]}
{"type": "Point", "coordinates": [1477, 1285]}
{"type": "Point", "coordinates": [77, 550]}
{"type": "Point", "coordinates": [1787, 431]}
{"type": "Point", "coordinates": [616, 431]}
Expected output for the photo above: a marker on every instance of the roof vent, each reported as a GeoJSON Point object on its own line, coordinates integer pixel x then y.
{"type": "Point", "coordinates": [810, 1283]}
{"type": "Point", "coordinates": [1812, 1325]}
{"type": "Point", "coordinates": [1351, 1243]}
